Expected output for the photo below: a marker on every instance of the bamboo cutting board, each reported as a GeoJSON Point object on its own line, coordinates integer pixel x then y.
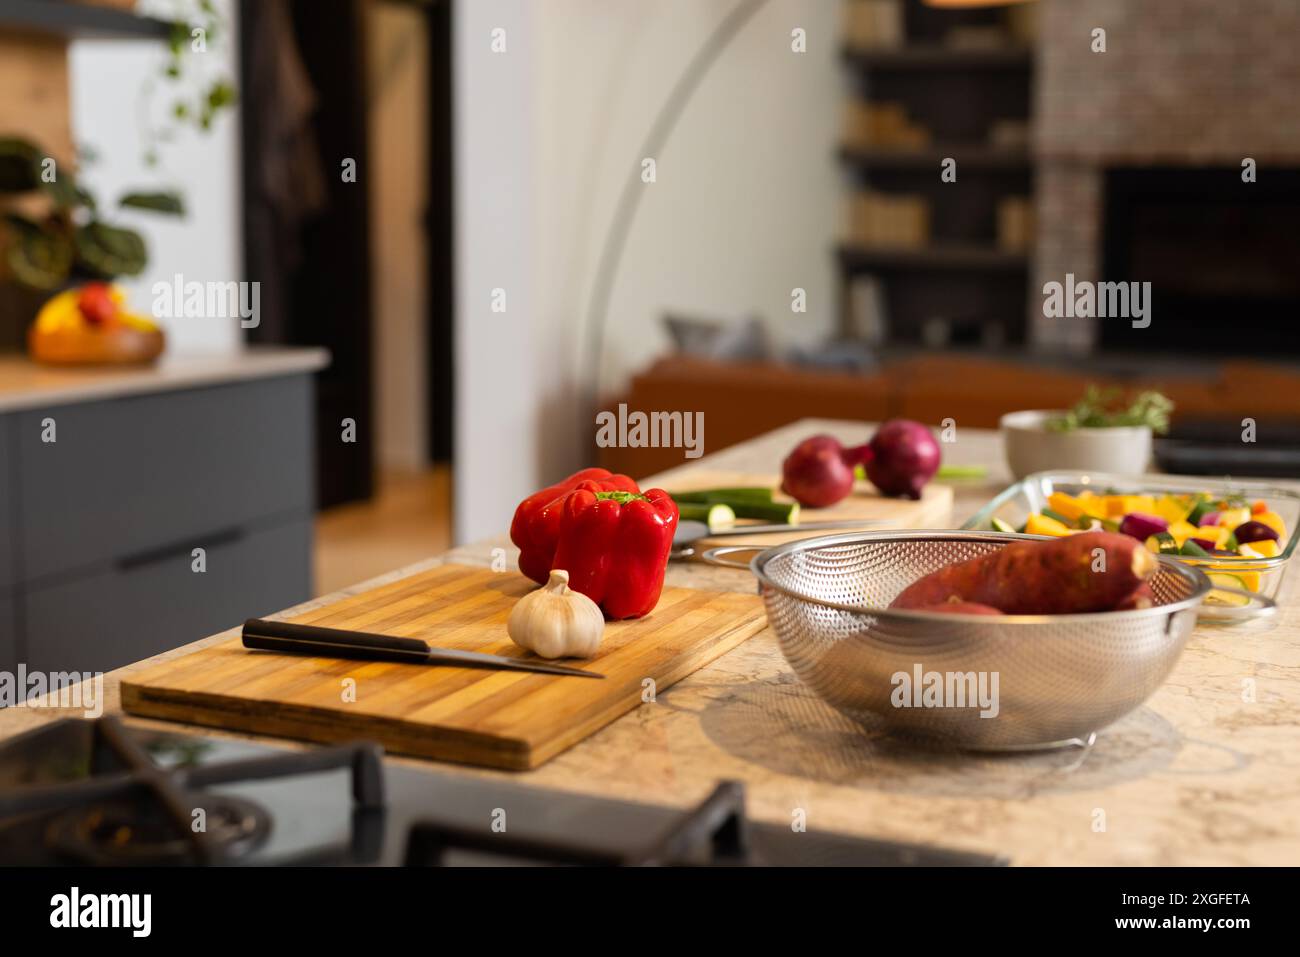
{"type": "Point", "coordinates": [496, 718]}
{"type": "Point", "coordinates": [932, 510]}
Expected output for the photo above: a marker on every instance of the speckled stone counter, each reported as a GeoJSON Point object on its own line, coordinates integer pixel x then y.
{"type": "Point", "coordinates": [1206, 772]}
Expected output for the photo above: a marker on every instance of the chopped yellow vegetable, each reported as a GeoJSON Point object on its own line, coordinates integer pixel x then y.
{"type": "Point", "coordinates": [1182, 531]}
{"type": "Point", "coordinates": [1272, 520]}
{"type": "Point", "coordinates": [1067, 505]}
{"type": "Point", "coordinates": [1117, 506]}
{"type": "Point", "coordinates": [1172, 509]}
{"type": "Point", "coordinates": [1043, 525]}
{"type": "Point", "coordinates": [1265, 548]}
{"type": "Point", "coordinates": [1235, 580]}
{"type": "Point", "coordinates": [1091, 502]}
{"type": "Point", "coordinates": [1232, 517]}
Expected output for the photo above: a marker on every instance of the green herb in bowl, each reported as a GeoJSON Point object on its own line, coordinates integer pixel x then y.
{"type": "Point", "coordinates": [1104, 409]}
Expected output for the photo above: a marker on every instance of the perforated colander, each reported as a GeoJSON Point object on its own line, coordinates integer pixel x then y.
{"type": "Point", "coordinates": [1059, 678]}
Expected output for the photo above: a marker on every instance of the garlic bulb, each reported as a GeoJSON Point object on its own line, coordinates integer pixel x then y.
{"type": "Point", "coordinates": [557, 622]}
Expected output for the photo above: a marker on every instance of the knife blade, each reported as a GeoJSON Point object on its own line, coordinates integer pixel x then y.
{"type": "Point", "coordinates": [288, 637]}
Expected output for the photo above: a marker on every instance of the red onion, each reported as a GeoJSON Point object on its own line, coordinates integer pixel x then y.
{"type": "Point", "coordinates": [903, 456]}
{"type": "Point", "coordinates": [1142, 526]}
{"type": "Point", "coordinates": [819, 472]}
{"type": "Point", "coordinates": [1248, 532]}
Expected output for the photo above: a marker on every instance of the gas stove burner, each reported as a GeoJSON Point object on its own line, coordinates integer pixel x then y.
{"type": "Point", "coordinates": [134, 832]}
{"type": "Point", "coordinates": [108, 799]}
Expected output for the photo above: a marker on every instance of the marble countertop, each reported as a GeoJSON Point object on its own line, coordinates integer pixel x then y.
{"type": "Point", "coordinates": [1206, 772]}
{"type": "Point", "coordinates": [25, 384]}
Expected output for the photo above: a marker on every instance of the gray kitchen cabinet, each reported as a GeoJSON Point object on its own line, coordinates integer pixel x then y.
{"type": "Point", "coordinates": [98, 528]}
{"type": "Point", "coordinates": [131, 476]}
{"type": "Point", "coordinates": [131, 611]}
{"type": "Point", "coordinates": [8, 506]}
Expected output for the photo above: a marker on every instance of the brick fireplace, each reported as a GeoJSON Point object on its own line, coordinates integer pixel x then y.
{"type": "Point", "coordinates": [1184, 85]}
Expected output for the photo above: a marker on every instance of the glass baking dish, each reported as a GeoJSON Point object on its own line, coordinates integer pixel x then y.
{"type": "Point", "coordinates": [1014, 504]}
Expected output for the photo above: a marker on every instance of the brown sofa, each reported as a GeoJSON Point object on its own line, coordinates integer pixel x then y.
{"type": "Point", "coordinates": [741, 400]}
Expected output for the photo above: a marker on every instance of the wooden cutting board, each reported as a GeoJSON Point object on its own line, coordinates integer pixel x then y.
{"type": "Point", "coordinates": [500, 719]}
{"type": "Point", "coordinates": [932, 510]}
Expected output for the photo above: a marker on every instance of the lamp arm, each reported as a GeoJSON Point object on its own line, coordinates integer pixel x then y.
{"type": "Point", "coordinates": [621, 225]}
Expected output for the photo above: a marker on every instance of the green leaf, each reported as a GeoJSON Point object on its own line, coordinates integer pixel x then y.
{"type": "Point", "coordinates": [109, 251]}
{"type": "Point", "coordinates": [62, 188]}
{"type": "Point", "coordinates": [37, 258]}
{"type": "Point", "coordinates": [161, 202]}
{"type": "Point", "coordinates": [20, 165]}
{"type": "Point", "coordinates": [177, 37]}
{"type": "Point", "coordinates": [221, 94]}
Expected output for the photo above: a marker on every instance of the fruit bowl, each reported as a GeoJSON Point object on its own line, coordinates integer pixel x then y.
{"type": "Point", "coordinates": [91, 326]}
{"type": "Point", "coordinates": [72, 347]}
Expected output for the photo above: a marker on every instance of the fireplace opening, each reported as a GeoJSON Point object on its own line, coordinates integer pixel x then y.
{"type": "Point", "coordinates": [1222, 257]}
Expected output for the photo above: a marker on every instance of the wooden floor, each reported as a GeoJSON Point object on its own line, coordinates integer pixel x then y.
{"type": "Point", "coordinates": [408, 519]}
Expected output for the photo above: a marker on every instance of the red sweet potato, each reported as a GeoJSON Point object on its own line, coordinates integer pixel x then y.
{"type": "Point", "coordinates": [1091, 571]}
{"type": "Point", "coordinates": [960, 608]}
{"type": "Point", "coordinates": [1140, 597]}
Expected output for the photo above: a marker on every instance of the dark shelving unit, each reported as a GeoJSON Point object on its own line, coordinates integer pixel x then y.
{"type": "Point", "coordinates": [78, 21]}
{"type": "Point", "coordinates": [931, 57]}
{"type": "Point", "coordinates": [973, 156]}
{"type": "Point", "coordinates": [957, 93]}
{"type": "Point", "coordinates": [935, 258]}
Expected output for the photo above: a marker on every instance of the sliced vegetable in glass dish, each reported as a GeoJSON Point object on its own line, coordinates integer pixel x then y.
{"type": "Point", "coordinates": [1062, 502]}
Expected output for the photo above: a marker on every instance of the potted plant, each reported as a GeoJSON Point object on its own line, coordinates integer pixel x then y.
{"type": "Point", "coordinates": [54, 234]}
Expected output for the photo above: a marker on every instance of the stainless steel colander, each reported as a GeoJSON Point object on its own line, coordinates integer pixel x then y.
{"type": "Point", "coordinates": [1059, 678]}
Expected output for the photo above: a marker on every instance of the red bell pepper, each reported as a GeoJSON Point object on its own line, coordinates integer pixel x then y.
{"type": "Point", "coordinates": [536, 525]}
{"type": "Point", "coordinates": [614, 545]}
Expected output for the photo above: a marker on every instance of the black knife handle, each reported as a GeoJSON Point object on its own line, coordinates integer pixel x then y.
{"type": "Point", "coordinates": [331, 642]}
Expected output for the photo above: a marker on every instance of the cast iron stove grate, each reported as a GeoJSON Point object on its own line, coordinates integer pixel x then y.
{"type": "Point", "coordinates": [99, 797]}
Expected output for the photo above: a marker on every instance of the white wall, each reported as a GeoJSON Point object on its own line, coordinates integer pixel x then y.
{"type": "Point", "coordinates": [746, 207]}
{"type": "Point", "coordinates": [106, 78]}
{"type": "Point", "coordinates": [496, 440]}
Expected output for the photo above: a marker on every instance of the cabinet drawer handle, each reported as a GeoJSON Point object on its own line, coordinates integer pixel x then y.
{"type": "Point", "coordinates": [162, 553]}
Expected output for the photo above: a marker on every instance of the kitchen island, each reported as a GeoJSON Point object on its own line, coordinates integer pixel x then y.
{"type": "Point", "coordinates": [1206, 772]}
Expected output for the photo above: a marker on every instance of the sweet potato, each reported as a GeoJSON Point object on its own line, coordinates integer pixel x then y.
{"type": "Point", "coordinates": [960, 608]}
{"type": "Point", "coordinates": [1140, 597]}
{"type": "Point", "coordinates": [1060, 577]}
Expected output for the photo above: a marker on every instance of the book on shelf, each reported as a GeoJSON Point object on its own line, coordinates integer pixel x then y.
{"type": "Point", "coordinates": [872, 24]}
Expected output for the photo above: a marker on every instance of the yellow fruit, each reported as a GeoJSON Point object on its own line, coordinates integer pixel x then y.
{"type": "Point", "coordinates": [1183, 531]}
{"type": "Point", "coordinates": [1067, 505]}
{"type": "Point", "coordinates": [1042, 525]}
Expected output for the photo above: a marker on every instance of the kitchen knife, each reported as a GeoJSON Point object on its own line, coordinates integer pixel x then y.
{"type": "Point", "coordinates": [291, 638]}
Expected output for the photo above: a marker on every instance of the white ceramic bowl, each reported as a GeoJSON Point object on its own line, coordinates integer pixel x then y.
{"type": "Point", "coordinates": [1032, 447]}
